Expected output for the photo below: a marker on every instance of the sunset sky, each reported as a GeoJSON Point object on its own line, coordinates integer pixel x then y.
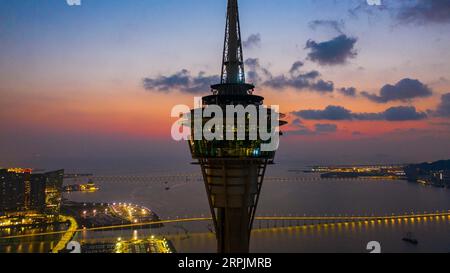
{"type": "Point", "coordinates": [95, 84]}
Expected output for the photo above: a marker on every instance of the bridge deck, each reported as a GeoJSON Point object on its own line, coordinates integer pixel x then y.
{"type": "Point", "coordinates": [344, 218]}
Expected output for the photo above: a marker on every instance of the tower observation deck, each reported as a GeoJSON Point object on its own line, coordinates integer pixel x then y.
{"type": "Point", "coordinates": [233, 170]}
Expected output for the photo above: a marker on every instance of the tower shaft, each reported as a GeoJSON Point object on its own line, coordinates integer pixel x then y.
{"type": "Point", "coordinates": [233, 188]}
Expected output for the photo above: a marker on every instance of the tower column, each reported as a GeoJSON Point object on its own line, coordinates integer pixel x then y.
{"type": "Point", "coordinates": [232, 235]}
{"type": "Point", "coordinates": [233, 187]}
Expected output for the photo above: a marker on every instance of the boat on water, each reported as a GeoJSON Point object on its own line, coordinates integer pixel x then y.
{"type": "Point", "coordinates": [89, 187]}
{"type": "Point", "coordinates": [409, 238]}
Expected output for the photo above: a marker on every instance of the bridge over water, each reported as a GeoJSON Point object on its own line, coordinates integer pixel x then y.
{"type": "Point", "coordinates": [267, 222]}
{"type": "Point", "coordinates": [188, 178]}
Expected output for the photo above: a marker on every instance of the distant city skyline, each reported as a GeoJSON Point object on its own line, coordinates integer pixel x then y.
{"type": "Point", "coordinates": [359, 83]}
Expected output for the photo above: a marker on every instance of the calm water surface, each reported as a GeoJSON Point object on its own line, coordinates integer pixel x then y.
{"type": "Point", "coordinates": [310, 197]}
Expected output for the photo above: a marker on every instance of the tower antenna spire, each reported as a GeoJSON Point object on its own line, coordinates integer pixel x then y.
{"type": "Point", "coordinates": [233, 60]}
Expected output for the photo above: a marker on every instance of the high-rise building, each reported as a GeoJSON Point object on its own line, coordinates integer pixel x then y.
{"type": "Point", "coordinates": [12, 190]}
{"type": "Point", "coordinates": [21, 190]}
{"type": "Point", "coordinates": [233, 170]}
{"type": "Point", "coordinates": [37, 193]}
{"type": "Point", "coordinates": [53, 191]}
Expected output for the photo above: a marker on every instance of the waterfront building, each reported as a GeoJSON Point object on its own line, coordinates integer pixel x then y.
{"type": "Point", "coordinates": [12, 190]}
{"type": "Point", "coordinates": [22, 191]}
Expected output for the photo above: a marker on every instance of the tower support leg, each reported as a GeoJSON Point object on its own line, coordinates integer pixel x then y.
{"type": "Point", "coordinates": [233, 188]}
{"type": "Point", "coordinates": [233, 235]}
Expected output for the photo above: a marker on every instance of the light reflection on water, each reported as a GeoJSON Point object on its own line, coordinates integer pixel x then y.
{"type": "Point", "coordinates": [30, 244]}
{"type": "Point", "coordinates": [433, 235]}
{"type": "Point", "coordinates": [322, 197]}
{"type": "Point", "coordinates": [36, 245]}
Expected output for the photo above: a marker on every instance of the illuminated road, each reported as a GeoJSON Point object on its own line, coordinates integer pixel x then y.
{"type": "Point", "coordinates": [288, 219]}
{"type": "Point", "coordinates": [132, 213]}
{"type": "Point", "coordinates": [68, 234]}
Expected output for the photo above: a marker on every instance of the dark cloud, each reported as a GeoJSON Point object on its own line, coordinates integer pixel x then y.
{"type": "Point", "coordinates": [296, 67]}
{"type": "Point", "coordinates": [296, 79]}
{"type": "Point", "coordinates": [404, 90]}
{"type": "Point", "coordinates": [443, 109]}
{"type": "Point", "coordinates": [319, 129]}
{"type": "Point", "coordinates": [336, 51]}
{"type": "Point", "coordinates": [326, 128]}
{"type": "Point", "coordinates": [425, 12]}
{"type": "Point", "coordinates": [339, 113]}
{"type": "Point", "coordinates": [348, 92]}
{"type": "Point", "coordinates": [297, 122]}
{"type": "Point", "coordinates": [330, 113]}
{"type": "Point", "coordinates": [252, 41]}
{"type": "Point", "coordinates": [300, 129]}
{"type": "Point", "coordinates": [256, 73]}
{"type": "Point", "coordinates": [338, 26]}
{"type": "Point", "coordinates": [323, 86]}
{"type": "Point", "coordinates": [300, 80]}
{"type": "Point", "coordinates": [181, 81]}
{"type": "Point", "coordinates": [252, 63]}
{"type": "Point", "coordinates": [403, 113]}
{"type": "Point", "coordinates": [408, 11]}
